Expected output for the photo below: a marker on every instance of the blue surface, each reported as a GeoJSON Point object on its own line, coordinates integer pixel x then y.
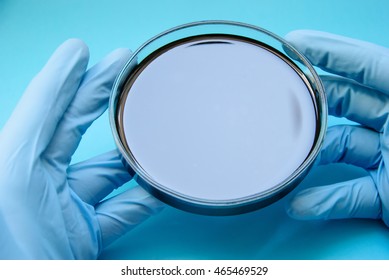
{"type": "Point", "coordinates": [31, 30]}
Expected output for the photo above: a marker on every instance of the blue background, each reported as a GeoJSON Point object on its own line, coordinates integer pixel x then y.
{"type": "Point", "coordinates": [31, 30]}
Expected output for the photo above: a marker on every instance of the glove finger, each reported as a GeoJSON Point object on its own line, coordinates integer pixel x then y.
{"type": "Point", "coordinates": [35, 118]}
{"type": "Point", "coordinates": [351, 144]}
{"type": "Point", "coordinates": [121, 213]}
{"type": "Point", "coordinates": [357, 198]}
{"type": "Point", "coordinates": [89, 103]}
{"type": "Point", "coordinates": [94, 179]}
{"type": "Point", "coordinates": [361, 61]}
{"type": "Point", "coordinates": [349, 99]}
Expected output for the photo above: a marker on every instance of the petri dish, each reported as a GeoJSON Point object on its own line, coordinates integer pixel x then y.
{"type": "Point", "coordinates": [218, 117]}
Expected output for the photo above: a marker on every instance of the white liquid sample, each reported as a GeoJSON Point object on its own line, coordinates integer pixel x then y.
{"type": "Point", "coordinates": [219, 119]}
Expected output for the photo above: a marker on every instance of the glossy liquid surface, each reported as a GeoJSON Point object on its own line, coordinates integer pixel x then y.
{"type": "Point", "coordinates": [219, 119]}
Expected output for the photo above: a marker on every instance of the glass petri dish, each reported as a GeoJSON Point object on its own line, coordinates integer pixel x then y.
{"type": "Point", "coordinates": [218, 117]}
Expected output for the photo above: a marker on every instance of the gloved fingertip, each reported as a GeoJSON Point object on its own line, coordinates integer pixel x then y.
{"type": "Point", "coordinates": [122, 52]}
{"type": "Point", "coordinates": [299, 39]}
{"type": "Point", "coordinates": [75, 42]}
{"type": "Point", "coordinates": [296, 36]}
{"type": "Point", "coordinates": [74, 46]}
{"type": "Point", "coordinates": [111, 64]}
{"type": "Point", "coordinates": [121, 55]}
{"type": "Point", "coordinates": [153, 204]}
{"type": "Point", "coordinates": [300, 208]}
{"type": "Point", "coordinates": [70, 59]}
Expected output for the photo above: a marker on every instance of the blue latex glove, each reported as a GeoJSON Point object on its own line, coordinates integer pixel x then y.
{"type": "Point", "coordinates": [359, 91]}
{"type": "Point", "coordinates": [48, 209]}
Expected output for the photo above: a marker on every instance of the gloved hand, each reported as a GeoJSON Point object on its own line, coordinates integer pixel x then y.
{"type": "Point", "coordinates": [48, 209]}
{"type": "Point", "coordinates": [359, 91]}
